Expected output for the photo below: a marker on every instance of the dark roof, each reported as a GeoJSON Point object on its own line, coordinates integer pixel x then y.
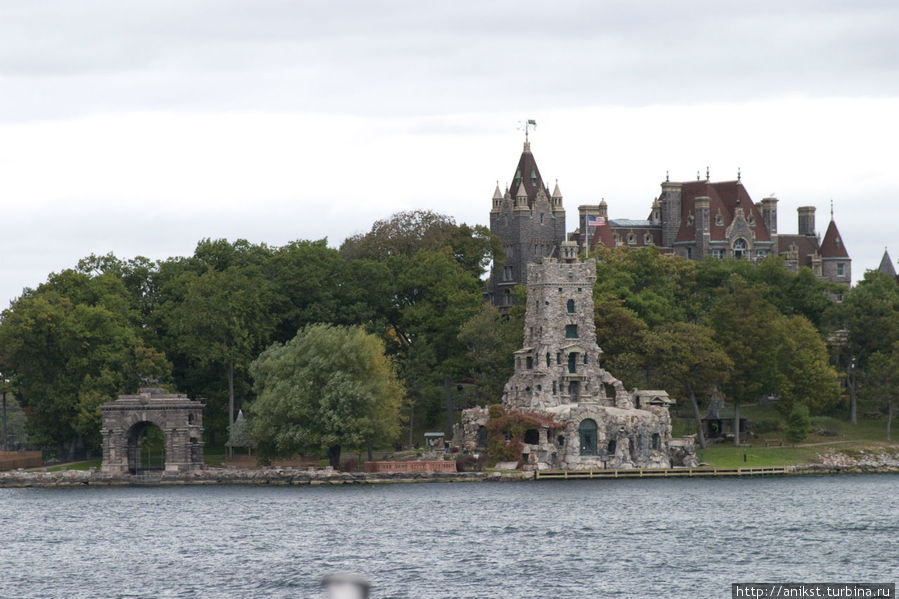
{"type": "Point", "coordinates": [528, 172]}
{"type": "Point", "coordinates": [832, 246]}
{"type": "Point", "coordinates": [886, 265]}
{"type": "Point", "coordinates": [806, 246]}
{"type": "Point", "coordinates": [724, 198]}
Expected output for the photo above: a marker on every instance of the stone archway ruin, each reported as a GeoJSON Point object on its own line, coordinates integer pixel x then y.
{"type": "Point", "coordinates": [126, 419]}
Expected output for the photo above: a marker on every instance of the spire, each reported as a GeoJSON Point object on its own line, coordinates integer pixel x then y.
{"type": "Point", "coordinates": [497, 194]}
{"type": "Point", "coordinates": [886, 264]}
{"type": "Point", "coordinates": [556, 192]}
{"type": "Point", "coordinates": [522, 192]}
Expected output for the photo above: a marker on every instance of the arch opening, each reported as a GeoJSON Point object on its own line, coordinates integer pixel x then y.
{"type": "Point", "coordinates": [146, 448]}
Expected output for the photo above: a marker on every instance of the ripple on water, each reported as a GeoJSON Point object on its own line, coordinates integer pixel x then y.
{"type": "Point", "coordinates": [626, 538]}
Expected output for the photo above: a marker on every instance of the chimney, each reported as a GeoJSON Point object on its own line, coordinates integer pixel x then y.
{"type": "Point", "coordinates": [807, 220]}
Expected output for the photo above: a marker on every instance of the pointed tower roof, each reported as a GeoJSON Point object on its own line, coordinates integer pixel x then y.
{"type": "Point", "coordinates": [528, 175]}
{"type": "Point", "coordinates": [832, 245]}
{"type": "Point", "coordinates": [497, 194]}
{"type": "Point", "coordinates": [886, 264]}
{"type": "Point", "coordinates": [522, 191]}
{"type": "Point", "coordinates": [556, 192]}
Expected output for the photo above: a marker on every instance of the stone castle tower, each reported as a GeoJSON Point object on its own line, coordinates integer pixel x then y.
{"type": "Point", "coordinates": [560, 361]}
{"type": "Point", "coordinates": [531, 223]}
{"type": "Point", "coordinates": [589, 418]}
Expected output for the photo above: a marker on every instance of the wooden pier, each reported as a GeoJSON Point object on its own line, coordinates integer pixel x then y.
{"type": "Point", "coordinates": [657, 473]}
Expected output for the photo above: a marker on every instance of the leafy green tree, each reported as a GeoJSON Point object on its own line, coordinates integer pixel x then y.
{"type": "Point", "coordinates": [748, 328]}
{"type": "Point", "coordinates": [870, 314]}
{"type": "Point", "coordinates": [215, 323]}
{"type": "Point", "coordinates": [68, 346]}
{"type": "Point", "coordinates": [327, 388]}
{"type": "Point", "coordinates": [688, 362]}
{"type": "Point", "coordinates": [490, 339]}
{"type": "Point", "coordinates": [409, 232]}
{"type": "Point", "coordinates": [799, 425]}
{"type": "Point", "coordinates": [882, 381]}
{"type": "Point", "coordinates": [806, 375]}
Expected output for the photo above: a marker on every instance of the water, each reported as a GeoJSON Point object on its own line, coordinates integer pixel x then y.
{"type": "Point", "coordinates": [619, 538]}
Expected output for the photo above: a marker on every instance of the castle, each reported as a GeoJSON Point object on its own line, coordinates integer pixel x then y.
{"type": "Point", "coordinates": [693, 219]}
{"type": "Point", "coordinates": [583, 417]}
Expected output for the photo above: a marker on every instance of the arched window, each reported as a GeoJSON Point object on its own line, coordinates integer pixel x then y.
{"type": "Point", "coordinates": [656, 441]}
{"type": "Point", "coordinates": [571, 306]}
{"type": "Point", "coordinates": [740, 248]}
{"type": "Point", "coordinates": [587, 432]}
{"type": "Point", "coordinates": [547, 359]}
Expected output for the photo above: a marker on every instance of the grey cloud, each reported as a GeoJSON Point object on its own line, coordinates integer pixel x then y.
{"type": "Point", "coordinates": [60, 59]}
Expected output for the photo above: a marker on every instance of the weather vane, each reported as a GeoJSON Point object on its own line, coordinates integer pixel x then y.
{"type": "Point", "coordinates": [527, 126]}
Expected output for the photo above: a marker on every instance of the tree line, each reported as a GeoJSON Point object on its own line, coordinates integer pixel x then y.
{"type": "Point", "coordinates": [196, 324]}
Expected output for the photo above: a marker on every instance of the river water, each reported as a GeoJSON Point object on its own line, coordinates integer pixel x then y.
{"type": "Point", "coordinates": [609, 538]}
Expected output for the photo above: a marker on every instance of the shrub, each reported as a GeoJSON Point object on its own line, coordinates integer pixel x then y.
{"type": "Point", "coordinates": [766, 425]}
{"type": "Point", "coordinates": [799, 424]}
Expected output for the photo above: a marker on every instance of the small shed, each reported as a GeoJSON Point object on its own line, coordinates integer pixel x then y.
{"type": "Point", "coordinates": [435, 442]}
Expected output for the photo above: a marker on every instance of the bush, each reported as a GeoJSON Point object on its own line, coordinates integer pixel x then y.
{"type": "Point", "coordinates": [799, 424]}
{"type": "Point", "coordinates": [766, 425]}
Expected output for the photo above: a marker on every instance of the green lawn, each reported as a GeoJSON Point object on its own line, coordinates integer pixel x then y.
{"type": "Point", "coordinates": [869, 434]}
{"type": "Point", "coordinates": [86, 465]}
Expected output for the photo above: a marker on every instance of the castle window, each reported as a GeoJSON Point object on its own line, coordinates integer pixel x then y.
{"type": "Point", "coordinates": [841, 268]}
{"type": "Point", "coordinates": [740, 249]}
{"type": "Point", "coordinates": [547, 359]}
{"type": "Point", "coordinates": [719, 220]}
{"type": "Point", "coordinates": [541, 218]}
{"type": "Point", "coordinates": [647, 239]}
{"type": "Point", "coordinates": [631, 239]}
{"type": "Point", "coordinates": [611, 447]}
{"type": "Point", "coordinates": [570, 306]}
{"type": "Point", "coordinates": [507, 297]}
{"type": "Point", "coordinates": [555, 388]}
{"type": "Point", "coordinates": [656, 441]}
{"type": "Point", "coordinates": [572, 363]}
{"type": "Point", "coordinates": [587, 432]}
{"type": "Point", "coordinates": [689, 253]}
{"type": "Point", "coordinates": [559, 358]}
{"type": "Point", "coordinates": [507, 273]}
{"type": "Point", "coordinates": [529, 362]}
{"type": "Point", "coordinates": [571, 331]}
{"type": "Point", "coordinates": [718, 253]}
{"type": "Point", "coordinates": [762, 254]}
{"type": "Point", "coordinates": [585, 358]}
{"type": "Point", "coordinates": [751, 220]}
{"type": "Point", "coordinates": [560, 440]}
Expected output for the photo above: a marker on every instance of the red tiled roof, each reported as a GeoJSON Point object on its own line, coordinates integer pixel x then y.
{"type": "Point", "coordinates": [724, 198]}
{"type": "Point", "coordinates": [832, 246]}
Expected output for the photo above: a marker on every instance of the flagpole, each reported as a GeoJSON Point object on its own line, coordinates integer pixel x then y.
{"type": "Point", "coordinates": [587, 226]}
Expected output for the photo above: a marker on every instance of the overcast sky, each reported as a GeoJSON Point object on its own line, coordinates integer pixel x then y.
{"type": "Point", "coordinates": [140, 128]}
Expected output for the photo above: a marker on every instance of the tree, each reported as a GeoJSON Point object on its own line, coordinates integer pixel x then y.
{"type": "Point", "coordinates": [327, 388]}
{"type": "Point", "coordinates": [882, 381]}
{"type": "Point", "coordinates": [806, 375]}
{"type": "Point", "coordinates": [870, 313]}
{"type": "Point", "coordinates": [799, 425]}
{"type": "Point", "coordinates": [687, 361]}
{"type": "Point", "coordinates": [749, 329]}
{"type": "Point", "coordinates": [69, 346]}
{"type": "Point", "coordinates": [215, 323]}
{"type": "Point", "coordinates": [490, 339]}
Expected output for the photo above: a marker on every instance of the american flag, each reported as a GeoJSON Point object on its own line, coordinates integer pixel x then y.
{"type": "Point", "coordinates": [596, 221]}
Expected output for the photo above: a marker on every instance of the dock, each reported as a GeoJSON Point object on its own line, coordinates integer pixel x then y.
{"type": "Point", "coordinates": [657, 473]}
